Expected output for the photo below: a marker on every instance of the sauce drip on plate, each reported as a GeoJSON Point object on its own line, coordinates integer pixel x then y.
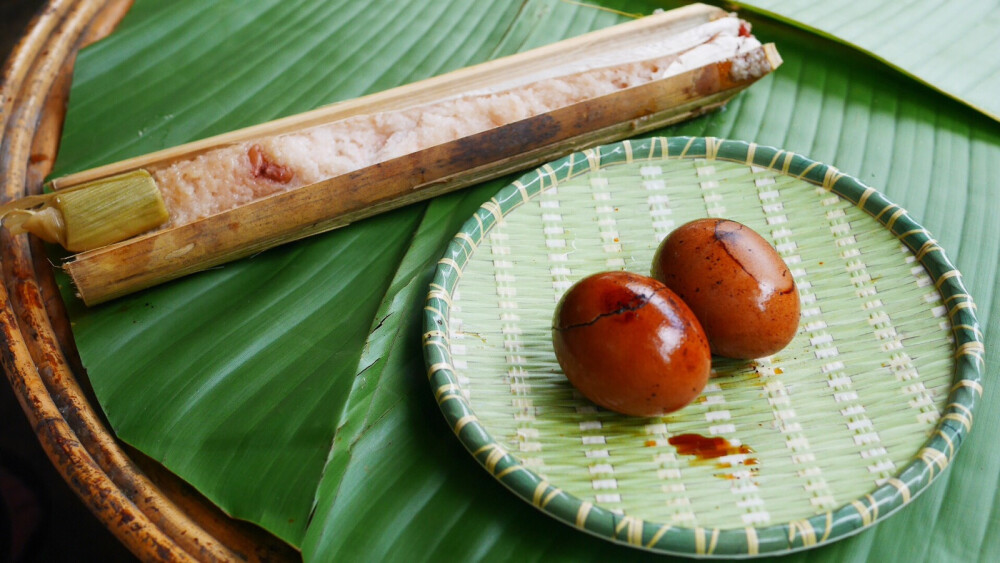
{"type": "Point", "coordinates": [704, 449]}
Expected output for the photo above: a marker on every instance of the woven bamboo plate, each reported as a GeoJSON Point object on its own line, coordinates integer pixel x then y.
{"type": "Point", "coordinates": [857, 416]}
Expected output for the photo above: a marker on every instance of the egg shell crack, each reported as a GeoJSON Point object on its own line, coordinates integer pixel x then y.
{"type": "Point", "coordinates": [619, 311]}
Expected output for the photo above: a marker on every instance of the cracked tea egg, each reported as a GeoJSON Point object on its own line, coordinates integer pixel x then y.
{"type": "Point", "coordinates": [735, 282]}
{"type": "Point", "coordinates": [629, 344]}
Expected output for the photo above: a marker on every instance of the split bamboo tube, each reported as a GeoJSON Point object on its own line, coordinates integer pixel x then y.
{"type": "Point", "coordinates": [118, 269]}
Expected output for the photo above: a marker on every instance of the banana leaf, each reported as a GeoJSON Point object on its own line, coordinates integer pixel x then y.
{"type": "Point", "coordinates": [290, 388]}
{"type": "Point", "coordinates": [950, 46]}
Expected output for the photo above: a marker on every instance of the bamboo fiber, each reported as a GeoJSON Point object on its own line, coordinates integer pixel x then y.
{"type": "Point", "coordinates": [850, 421]}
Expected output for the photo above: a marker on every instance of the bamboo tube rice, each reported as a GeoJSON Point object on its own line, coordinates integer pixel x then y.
{"type": "Point", "coordinates": [242, 192]}
{"type": "Point", "coordinates": [231, 176]}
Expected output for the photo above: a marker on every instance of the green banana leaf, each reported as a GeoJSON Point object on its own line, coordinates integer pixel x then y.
{"type": "Point", "coordinates": [290, 388]}
{"type": "Point", "coordinates": [950, 46]}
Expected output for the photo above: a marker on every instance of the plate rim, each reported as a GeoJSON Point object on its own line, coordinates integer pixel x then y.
{"type": "Point", "coordinates": [848, 519]}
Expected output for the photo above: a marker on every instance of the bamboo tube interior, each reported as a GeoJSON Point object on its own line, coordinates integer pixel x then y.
{"type": "Point", "coordinates": [478, 77]}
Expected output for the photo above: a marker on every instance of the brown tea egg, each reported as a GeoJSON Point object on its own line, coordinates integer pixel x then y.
{"type": "Point", "coordinates": [629, 344]}
{"type": "Point", "coordinates": [735, 282]}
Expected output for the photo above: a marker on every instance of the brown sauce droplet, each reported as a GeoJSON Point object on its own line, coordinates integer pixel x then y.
{"type": "Point", "coordinates": [703, 447]}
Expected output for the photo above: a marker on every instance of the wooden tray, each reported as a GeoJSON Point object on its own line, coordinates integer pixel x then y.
{"type": "Point", "coordinates": [156, 515]}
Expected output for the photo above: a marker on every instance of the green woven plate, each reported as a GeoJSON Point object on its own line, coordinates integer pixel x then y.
{"type": "Point", "coordinates": [864, 408]}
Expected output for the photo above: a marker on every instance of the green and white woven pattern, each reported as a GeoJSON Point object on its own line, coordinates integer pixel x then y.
{"type": "Point", "coordinates": [856, 416]}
